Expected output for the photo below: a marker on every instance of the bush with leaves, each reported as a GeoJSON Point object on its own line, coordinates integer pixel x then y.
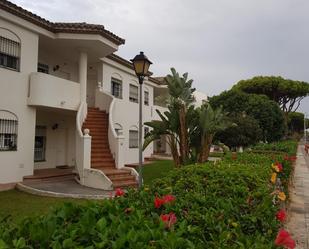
{"type": "Point", "coordinates": [245, 132]}
{"type": "Point", "coordinates": [223, 205]}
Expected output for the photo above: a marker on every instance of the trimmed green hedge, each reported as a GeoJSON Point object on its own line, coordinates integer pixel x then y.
{"type": "Point", "coordinates": [224, 205]}
{"type": "Point", "coordinates": [288, 146]}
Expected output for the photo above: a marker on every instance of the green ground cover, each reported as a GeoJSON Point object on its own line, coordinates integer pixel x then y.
{"type": "Point", "coordinates": [156, 170]}
{"type": "Point", "coordinates": [20, 205]}
{"type": "Point", "coordinates": [229, 204]}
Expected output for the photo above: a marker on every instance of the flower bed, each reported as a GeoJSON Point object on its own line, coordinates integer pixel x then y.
{"type": "Point", "coordinates": [230, 204]}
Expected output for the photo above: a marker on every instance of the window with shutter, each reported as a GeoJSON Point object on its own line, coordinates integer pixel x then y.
{"type": "Point", "coordinates": [9, 53]}
{"type": "Point", "coordinates": [133, 94]}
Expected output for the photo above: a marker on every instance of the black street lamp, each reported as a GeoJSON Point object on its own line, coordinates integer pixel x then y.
{"type": "Point", "coordinates": [141, 66]}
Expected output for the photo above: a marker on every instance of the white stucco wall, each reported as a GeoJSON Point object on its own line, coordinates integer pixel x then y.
{"type": "Point", "coordinates": [13, 97]}
{"type": "Point", "coordinates": [127, 112]}
{"type": "Point", "coordinates": [60, 142]}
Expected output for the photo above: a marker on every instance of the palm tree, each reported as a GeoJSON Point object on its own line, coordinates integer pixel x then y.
{"type": "Point", "coordinates": [181, 97]}
{"type": "Point", "coordinates": [169, 126]}
{"type": "Point", "coordinates": [210, 122]}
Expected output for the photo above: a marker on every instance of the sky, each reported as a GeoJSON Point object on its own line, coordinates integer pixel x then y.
{"type": "Point", "coordinates": [218, 42]}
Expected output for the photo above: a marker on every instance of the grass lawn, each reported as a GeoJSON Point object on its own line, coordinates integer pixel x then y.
{"type": "Point", "coordinates": [156, 169]}
{"type": "Point", "coordinates": [19, 204]}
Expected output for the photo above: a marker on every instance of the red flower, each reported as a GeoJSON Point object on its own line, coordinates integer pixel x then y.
{"type": "Point", "coordinates": [281, 215]}
{"type": "Point", "coordinates": [279, 165]}
{"type": "Point", "coordinates": [286, 158]}
{"type": "Point", "coordinates": [285, 239]}
{"type": "Point", "coordinates": [119, 192]}
{"type": "Point", "coordinates": [168, 198]}
{"type": "Point", "coordinates": [169, 219]}
{"type": "Point", "coordinates": [158, 202]}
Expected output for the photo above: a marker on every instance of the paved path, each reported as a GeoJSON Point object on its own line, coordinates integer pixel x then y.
{"type": "Point", "coordinates": [63, 188]}
{"type": "Point", "coordinates": [298, 223]}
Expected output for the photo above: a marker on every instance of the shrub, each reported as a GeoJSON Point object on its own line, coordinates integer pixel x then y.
{"type": "Point", "coordinates": [288, 146]}
{"type": "Point", "coordinates": [229, 204]}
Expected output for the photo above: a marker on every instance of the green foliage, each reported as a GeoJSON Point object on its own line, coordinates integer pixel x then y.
{"type": "Point", "coordinates": [287, 93]}
{"type": "Point", "coordinates": [296, 122]}
{"type": "Point", "coordinates": [287, 146]}
{"type": "Point", "coordinates": [224, 205]}
{"type": "Point", "coordinates": [264, 111]}
{"type": "Point", "coordinates": [245, 132]}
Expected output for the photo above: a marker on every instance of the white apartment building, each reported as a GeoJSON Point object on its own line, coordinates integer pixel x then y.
{"type": "Point", "coordinates": [67, 100]}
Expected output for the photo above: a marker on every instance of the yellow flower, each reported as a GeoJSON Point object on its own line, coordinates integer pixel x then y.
{"type": "Point", "coordinates": [275, 167]}
{"type": "Point", "coordinates": [146, 189]}
{"type": "Point", "coordinates": [273, 178]}
{"type": "Point", "coordinates": [282, 196]}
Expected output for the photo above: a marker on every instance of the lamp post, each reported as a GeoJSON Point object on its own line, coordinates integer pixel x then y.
{"type": "Point", "coordinates": [305, 134]}
{"type": "Point", "coordinates": [141, 65]}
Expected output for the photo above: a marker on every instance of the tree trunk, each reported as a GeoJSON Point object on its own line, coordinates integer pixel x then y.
{"type": "Point", "coordinates": [183, 136]}
{"type": "Point", "coordinates": [205, 148]}
{"type": "Point", "coordinates": [174, 150]}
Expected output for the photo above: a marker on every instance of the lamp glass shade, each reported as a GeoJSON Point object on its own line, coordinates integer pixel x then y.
{"type": "Point", "coordinates": [141, 64]}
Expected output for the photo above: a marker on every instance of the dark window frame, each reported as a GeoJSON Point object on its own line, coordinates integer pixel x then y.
{"type": "Point", "coordinates": [116, 92]}
{"type": "Point", "coordinates": [133, 99]}
{"type": "Point", "coordinates": [9, 54]}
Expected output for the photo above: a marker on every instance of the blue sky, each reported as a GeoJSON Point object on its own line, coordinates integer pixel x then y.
{"type": "Point", "coordinates": [218, 42]}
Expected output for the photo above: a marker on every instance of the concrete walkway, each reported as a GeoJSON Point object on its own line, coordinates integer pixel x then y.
{"type": "Point", "coordinates": [298, 223]}
{"type": "Point", "coordinates": [67, 188]}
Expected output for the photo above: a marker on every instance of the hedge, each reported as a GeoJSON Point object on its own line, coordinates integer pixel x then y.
{"type": "Point", "coordinates": [230, 204]}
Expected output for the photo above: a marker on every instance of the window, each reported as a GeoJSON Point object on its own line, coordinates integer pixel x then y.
{"type": "Point", "coordinates": [9, 53]}
{"type": "Point", "coordinates": [43, 68]}
{"type": "Point", "coordinates": [133, 139]}
{"type": "Point", "coordinates": [40, 144]}
{"type": "Point", "coordinates": [133, 94]}
{"type": "Point", "coordinates": [8, 132]}
{"type": "Point", "coordinates": [146, 131]}
{"type": "Point", "coordinates": [146, 98]}
{"type": "Point", "coordinates": [117, 88]}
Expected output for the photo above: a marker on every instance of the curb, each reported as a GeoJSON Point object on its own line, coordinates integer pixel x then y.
{"type": "Point", "coordinates": [39, 192]}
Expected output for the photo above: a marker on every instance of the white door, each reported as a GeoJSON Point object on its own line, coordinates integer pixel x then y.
{"type": "Point", "coordinates": [61, 142]}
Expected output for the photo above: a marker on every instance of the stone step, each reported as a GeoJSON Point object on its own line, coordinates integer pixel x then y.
{"type": "Point", "coordinates": [108, 159]}
{"type": "Point", "coordinates": [125, 184]}
{"type": "Point", "coordinates": [121, 178]}
{"type": "Point", "coordinates": [98, 165]}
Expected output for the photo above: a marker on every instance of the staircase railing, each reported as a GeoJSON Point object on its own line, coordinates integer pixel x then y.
{"type": "Point", "coordinates": [87, 176]}
{"type": "Point", "coordinates": [83, 143]}
{"type": "Point", "coordinates": [107, 102]}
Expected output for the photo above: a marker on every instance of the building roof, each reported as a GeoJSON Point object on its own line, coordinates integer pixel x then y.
{"type": "Point", "coordinates": [58, 27]}
{"type": "Point", "coordinates": [129, 64]}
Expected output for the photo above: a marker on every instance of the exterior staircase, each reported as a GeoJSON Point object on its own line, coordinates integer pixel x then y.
{"type": "Point", "coordinates": [101, 157]}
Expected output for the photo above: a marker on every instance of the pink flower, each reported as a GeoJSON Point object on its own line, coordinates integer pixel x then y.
{"type": "Point", "coordinates": [158, 202]}
{"type": "Point", "coordinates": [285, 239]}
{"type": "Point", "coordinates": [119, 192]}
{"type": "Point", "coordinates": [281, 215]}
{"type": "Point", "coordinates": [169, 219]}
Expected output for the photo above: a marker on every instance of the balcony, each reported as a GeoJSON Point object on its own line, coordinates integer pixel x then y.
{"type": "Point", "coordinates": [49, 91]}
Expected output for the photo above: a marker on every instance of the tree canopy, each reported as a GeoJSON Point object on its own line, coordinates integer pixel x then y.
{"type": "Point", "coordinates": [245, 132]}
{"type": "Point", "coordinates": [287, 93]}
{"type": "Point", "coordinates": [266, 112]}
